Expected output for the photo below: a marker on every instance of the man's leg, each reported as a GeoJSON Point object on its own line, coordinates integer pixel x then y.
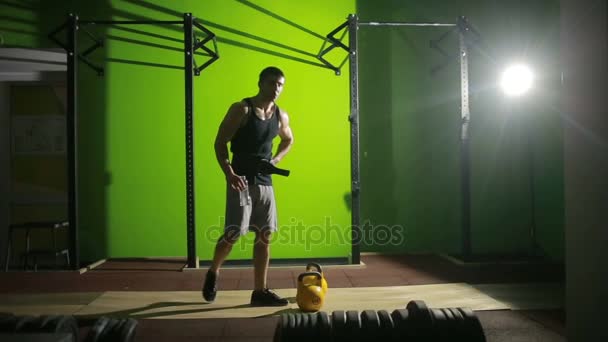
{"type": "Point", "coordinates": [262, 295]}
{"type": "Point", "coordinates": [263, 222]}
{"type": "Point", "coordinates": [237, 219]}
{"type": "Point", "coordinates": [222, 249]}
{"type": "Point", "coordinates": [261, 256]}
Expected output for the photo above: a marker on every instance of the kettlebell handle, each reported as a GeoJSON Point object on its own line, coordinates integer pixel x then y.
{"type": "Point", "coordinates": [306, 274]}
{"type": "Point", "coordinates": [314, 265]}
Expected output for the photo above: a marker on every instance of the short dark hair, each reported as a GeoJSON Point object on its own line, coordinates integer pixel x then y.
{"type": "Point", "coordinates": [270, 71]}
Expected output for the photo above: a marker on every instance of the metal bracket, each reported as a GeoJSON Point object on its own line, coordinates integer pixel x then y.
{"type": "Point", "coordinates": [52, 37]}
{"type": "Point", "coordinates": [97, 43]}
{"type": "Point", "coordinates": [434, 43]}
{"type": "Point", "coordinates": [463, 27]}
{"type": "Point", "coordinates": [200, 44]}
{"type": "Point", "coordinates": [333, 43]}
{"type": "Point", "coordinates": [81, 56]}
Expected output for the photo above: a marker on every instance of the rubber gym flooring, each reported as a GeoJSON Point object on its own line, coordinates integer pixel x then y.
{"type": "Point", "coordinates": [514, 301]}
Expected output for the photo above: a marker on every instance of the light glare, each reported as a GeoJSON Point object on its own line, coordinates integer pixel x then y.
{"type": "Point", "coordinates": [516, 80]}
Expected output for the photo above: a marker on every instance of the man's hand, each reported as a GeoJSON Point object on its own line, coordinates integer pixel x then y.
{"type": "Point", "coordinates": [236, 182]}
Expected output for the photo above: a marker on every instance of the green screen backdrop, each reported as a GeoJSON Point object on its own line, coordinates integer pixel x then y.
{"type": "Point", "coordinates": [131, 144]}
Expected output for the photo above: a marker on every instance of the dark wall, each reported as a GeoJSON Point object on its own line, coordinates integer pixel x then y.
{"type": "Point", "coordinates": [410, 124]}
{"type": "Point", "coordinates": [585, 58]}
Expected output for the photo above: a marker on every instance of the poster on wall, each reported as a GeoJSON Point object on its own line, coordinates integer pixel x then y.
{"type": "Point", "coordinates": [38, 135]}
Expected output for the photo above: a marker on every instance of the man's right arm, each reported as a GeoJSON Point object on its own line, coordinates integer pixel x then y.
{"type": "Point", "coordinates": [230, 124]}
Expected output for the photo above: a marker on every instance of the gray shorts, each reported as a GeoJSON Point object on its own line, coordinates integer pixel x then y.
{"type": "Point", "coordinates": [260, 215]}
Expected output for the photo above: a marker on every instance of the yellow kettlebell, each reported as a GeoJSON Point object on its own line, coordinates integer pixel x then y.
{"type": "Point", "coordinates": [314, 267]}
{"type": "Point", "coordinates": [310, 297]}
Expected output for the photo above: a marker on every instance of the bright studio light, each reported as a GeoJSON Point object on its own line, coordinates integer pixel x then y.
{"type": "Point", "coordinates": [516, 80]}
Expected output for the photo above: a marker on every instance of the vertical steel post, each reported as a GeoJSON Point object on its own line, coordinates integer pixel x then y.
{"type": "Point", "coordinates": [354, 138]}
{"type": "Point", "coordinates": [465, 159]}
{"type": "Point", "coordinates": [189, 104]}
{"type": "Point", "coordinates": [72, 138]}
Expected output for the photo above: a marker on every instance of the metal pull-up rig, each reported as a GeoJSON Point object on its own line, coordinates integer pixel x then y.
{"type": "Point", "coordinates": [72, 26]}
{"type": "Point", "coordinates": [467, 36]}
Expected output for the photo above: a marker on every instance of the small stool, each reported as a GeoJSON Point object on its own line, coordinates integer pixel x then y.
{"type": "Point", "coordinates": [28, 226]}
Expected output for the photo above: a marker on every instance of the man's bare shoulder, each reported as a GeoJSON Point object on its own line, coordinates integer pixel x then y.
{"type": "Point", "coordinates": [282, 113]}
{"type": "Point", "coordinates": [283, 116]}
{"type": "Point", "coordinates": [241, 105]}
{"type": "Point", "coordinates": [239, 108]}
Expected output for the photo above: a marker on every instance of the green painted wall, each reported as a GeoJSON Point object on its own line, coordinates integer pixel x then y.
{"type": "Point", "coordinates": [132, 126]}
{"type": "Point", "coordinates": [410, 124]}
{"type": "Point", "coordinates": [20, 24]}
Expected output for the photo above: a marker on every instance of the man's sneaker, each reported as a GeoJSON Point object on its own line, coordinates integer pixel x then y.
{"type": "Point", "coordinates": [210, 288]}
{"type": "Point", "coordinates": [267, 297]}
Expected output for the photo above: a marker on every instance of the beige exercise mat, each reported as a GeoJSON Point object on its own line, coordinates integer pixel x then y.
{"type": "Point", "coordinates": [178, 304]}
{"type": "Point", "coordinates": [397, 297]}
{"type": "Point", "coordinates": [189, 304]}
{"type": "Point", "coordinates": [46, 303]}
{"type": "Point", "coordinates": [236, 303]}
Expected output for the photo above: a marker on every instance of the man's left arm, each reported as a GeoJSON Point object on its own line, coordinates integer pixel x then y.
{"type": "Point", "coordinates": [286, 138]}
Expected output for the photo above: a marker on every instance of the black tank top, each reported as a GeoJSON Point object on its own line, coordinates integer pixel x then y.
{"type": "Point", "coordinates": [252, 142]}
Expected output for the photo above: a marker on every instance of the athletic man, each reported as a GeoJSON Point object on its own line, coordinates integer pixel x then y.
{"type": "Point", "coordinates": [250, 126]}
